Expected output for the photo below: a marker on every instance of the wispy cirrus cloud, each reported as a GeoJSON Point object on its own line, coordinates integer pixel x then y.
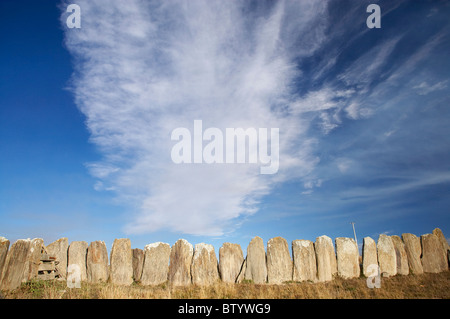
{"type": "Point", "coordinates": [146, 68]}
{"type": "Point", "coordinates": [424, 88]}
{"type": "Point", "coordinates": [143, 69]}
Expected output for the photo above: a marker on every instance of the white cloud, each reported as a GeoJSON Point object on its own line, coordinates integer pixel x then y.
{"type": "Point", "coordinates": [321, 100]}
{"type": "Point", "coordinates": [364, 69]}
{"type": "Point", "coordinates": [356, 111]}
{"type": "Point", "coordinates": [146, 68]}
{"type": "Point", "coordinates": [310, 184]}
{"type": "Point", "coordinates": [409, 66]}
{"type": "Point", "coordinates": [424, 88]}
{"type": "Point", "coordinates": [407, 184]}
{"type": "Point", "coordinates": [100, 170]}
{"type": "Point", "coordinates": [344, 164]}
{"type": "Point", "coordinates": [353, 110]}
{"type": "Point", "coordinates": [389, 133]}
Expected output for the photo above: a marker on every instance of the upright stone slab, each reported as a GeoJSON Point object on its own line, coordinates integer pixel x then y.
{"type": "Point", "coordinates": [387, 259]}
{"type": "Point", "coordinates": [204, 267]}
{"type": "Point", "coordinates": [444, 243]}
{"type": "Point", "coordinates": [413, 250]}
{"type": "Point", "coordinates": [440, 235]}
{"type": "Point", "coordinates": [347, 258]}
{"type": "Point", "coordinates": [4, 246]}
{"type": "Point", "coordinates": [138, 263]}
{"type": "Point", "coordinates": [326, 258]}
{"type": "Point", "coordinates": [59, 250]}
{"type": "Point", "coordinates": [256, 261]}
{"type": "Point", "coordinates": [180, 263]}
{"type": "Point", "coordinates": [77, 257]}
{"type": "Point", "coordinates": [121, 262]}
{"type": "Point", "coordinates": [400, 254]}
{"type": "Point", "coordinates": [304, 256]}
{"type": "Point", "coordinates": [156, 264]}
{"type": "Point", "coordinates": [33, 259]}
{"type": "Point", "coordinates": [97, 262]}
{"type": "Point", "coordinates": [15, 264]}
{"type": "Point", "coordinates": [369, 256]}
{"type": "Point", "coordinates": [231, 258]}
{"type": "Point", "coordinates": [279, 263]}
{"type": "Point", "coordinates": [433, 260]}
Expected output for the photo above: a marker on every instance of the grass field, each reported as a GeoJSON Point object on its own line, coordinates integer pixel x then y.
{"type": "Point", "coordinates": [398, 287]}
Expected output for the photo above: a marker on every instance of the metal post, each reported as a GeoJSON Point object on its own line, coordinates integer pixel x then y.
{"type": "Point", "coordinates": [354, 233]}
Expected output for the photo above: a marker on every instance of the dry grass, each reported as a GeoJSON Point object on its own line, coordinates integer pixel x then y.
{"type": "Point", "coordinates": [398, 287]}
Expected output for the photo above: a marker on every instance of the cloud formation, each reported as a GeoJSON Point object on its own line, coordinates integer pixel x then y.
{"type": "Point", "coordinates": [146, 68]}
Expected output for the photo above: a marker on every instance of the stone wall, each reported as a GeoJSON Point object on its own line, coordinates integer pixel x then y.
{"type": "Point", "coordinates": [183, 264]}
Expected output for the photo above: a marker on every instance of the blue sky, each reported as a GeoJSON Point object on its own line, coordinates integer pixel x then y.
{"type": "Point", "coordinates": [86, 116]}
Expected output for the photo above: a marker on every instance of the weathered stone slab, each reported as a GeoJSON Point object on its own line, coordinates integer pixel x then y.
{"type": "Point", "coordinates": [231, 259]}
{"type": "Point", "coordinates": [387, 260]}
{"type": "Point", "coordinates": [440, 235]}
{"type": "Point", "coordinates": [413, 250]}
{"type": "Point", "coordinates": [59, 250]}
{"type": "Point", "coordinates": [256, 268]}
{"type": "Point", "coordinates": [138, 263]}
{"type": "Point", "coordinates": [97, 262]}
{"type": "Point", "coordinates": [444, 243]}
{"type": "Point", "coordinates": [347, 258]}
{"type": "Point", "coordinates": [4, 247]}
{"type": "Point", "coordinates": [204, 267]}
{"type": "Point", "coordinates": [156, 264]}
{"type": "Point", "coordinates": [181, 256]}
{"type": "Point", "coordinates": [15, 264]}
{"type": "Point", "coordinates": [77, 256]}
{"type": "Point", "coordinates": [304, 256]}
{"type": "Point", "coordinates": [369, 256]}
{"type": "Point", "coordinates": [326, 258]}
{"type": "Point", "coordinates": [433, 259]}
{"type": "Point", "coordinates": [279, 262]}
{"type": "Point", "coordinates": [401, 257]}
{"type": "Point", "coordinates": [121, 262]}
{"type": "Point", "coordinates": [33, 259]}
